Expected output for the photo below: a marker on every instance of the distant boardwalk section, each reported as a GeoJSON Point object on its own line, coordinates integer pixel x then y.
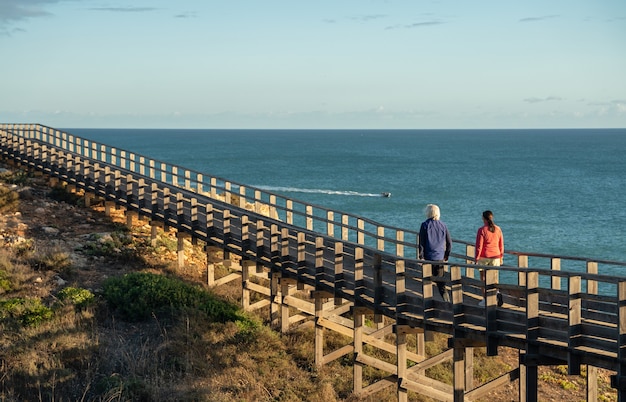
{"type": "Point", "coordinates": [308, 265]}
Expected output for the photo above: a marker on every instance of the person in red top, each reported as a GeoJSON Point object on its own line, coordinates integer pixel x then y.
{"type": "Point", "coordinates": [489, 247]}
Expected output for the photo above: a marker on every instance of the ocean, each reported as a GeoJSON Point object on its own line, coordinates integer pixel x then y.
{"type": "Point", "coordinates": [551, 191]}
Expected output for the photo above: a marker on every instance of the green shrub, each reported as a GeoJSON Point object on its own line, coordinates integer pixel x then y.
{"type": "Point", "coordinates": [5, 282]}
{"type": "Point", "coordinates": [77, 296]}
{"type": "Point", "coordinates": [19, 177]}
{"type": "Point", "coordinates": [27, 312]}
{"type": "Point", "coordinates": [136, 296]}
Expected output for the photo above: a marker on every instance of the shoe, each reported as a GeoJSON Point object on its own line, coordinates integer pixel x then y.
{"type": "Point", "coordinates": [500, 300]}
{"type": "Point", "coordinates": [481, 303]}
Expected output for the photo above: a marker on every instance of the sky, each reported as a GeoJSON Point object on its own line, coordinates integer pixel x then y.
{"type": "Point", "coordinates": [324, 64]}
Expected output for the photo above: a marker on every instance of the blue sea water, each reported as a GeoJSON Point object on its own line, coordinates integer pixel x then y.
{"type": "Point", "coordinates": [552, 191]}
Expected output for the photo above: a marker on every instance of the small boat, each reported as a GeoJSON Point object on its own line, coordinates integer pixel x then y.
{"type": "Point", "coordinates": [385, 194]}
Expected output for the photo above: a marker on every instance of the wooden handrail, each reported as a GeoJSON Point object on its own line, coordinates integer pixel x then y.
{"type": "Point", "coordinates": [345, 226]}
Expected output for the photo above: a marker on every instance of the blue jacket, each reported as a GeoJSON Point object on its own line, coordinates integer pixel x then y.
{"type": "Point", "coordinates": [434, 241]}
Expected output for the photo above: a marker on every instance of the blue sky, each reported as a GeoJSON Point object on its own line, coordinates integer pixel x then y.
{"type": "Point", "coordinates": [313, 64]}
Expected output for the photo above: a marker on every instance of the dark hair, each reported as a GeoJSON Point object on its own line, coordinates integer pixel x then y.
{"type": "Point", "coordinates": [488, 216]}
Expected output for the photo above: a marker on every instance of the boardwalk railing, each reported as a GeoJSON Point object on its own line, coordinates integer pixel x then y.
{"type": "Point", "coordinates": [557, 309]}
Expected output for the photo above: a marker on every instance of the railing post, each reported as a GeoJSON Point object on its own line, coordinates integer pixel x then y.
{"type": "Point", "coordinates": [175, 176]}
{"type": "Point", "coordinates": [380, 241]}
{"type": "Point", "coordinates": [289, 212]}
{"type": "Point", "coordinates": [360, 238]}
{"type": "Point", "coordinates": [301, 255]}
{"type": "Point", "coordinates": [528, 385]}
{"type": "Point", "coordinates": [619, 380]}
{"type": "Point", "coordinates": [575, 321]}
{"type": "Point", "coordinates": [592, 371]}
{"type": "Point", "coordinates": [555, 265]}
{"type": "Point", "coordinates": [330, 225]}
{"type": "Point", "coordinates": [274, 275]}
{"type": "Point", "coordinates": [199, 184]}
{"type": "Point", "coordinates": [359, 285]}
{"type": "Point", "coordinates": [378, 279]}
{"type": "Point", "coordinates": [427, 293]}
{"type": "Point", "coordinates": [522, 262]}
{"type": "Point", "coordinates": [463, 357]}
{"type": "Point", "coordinates": [339, 279]}
{"type": "Point", "coordinates": [469, 253]}
{"type": "Point", "coordinates": [309, 217]}
{"type": "Point", "coordinates": [345, 230]}
{"type": "Point", "coordinates": [319, 262]}
{"type": "Point", "coordinates": [399, 241]}
{"type": "Point", "coordinates": [491, 312]}
{"type": "Point", "coordinates": [401, 365]}
{"type": "Point", "coordinates": [401, 306]}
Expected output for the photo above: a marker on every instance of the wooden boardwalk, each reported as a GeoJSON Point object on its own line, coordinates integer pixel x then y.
{"type": "Point", "coordinates": [308, 265]}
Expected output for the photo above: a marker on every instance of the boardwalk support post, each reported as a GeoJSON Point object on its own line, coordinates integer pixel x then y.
{"type": "Point", "coordinates": [181, 236]}
{"type": "Point", "coordinates": [618, 381]}
{"type": "Point", "coordinates": [528, 384]}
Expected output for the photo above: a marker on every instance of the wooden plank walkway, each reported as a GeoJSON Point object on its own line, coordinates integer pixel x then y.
{"type": "Point", "coordinates": [353, 266]}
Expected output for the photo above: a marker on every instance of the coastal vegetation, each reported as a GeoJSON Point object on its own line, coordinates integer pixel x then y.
{"type": "Point", "coordinates": [92, 310]}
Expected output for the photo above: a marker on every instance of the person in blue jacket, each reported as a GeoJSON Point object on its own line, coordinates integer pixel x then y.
{"type": "Point", "coordinates": [435, 245]}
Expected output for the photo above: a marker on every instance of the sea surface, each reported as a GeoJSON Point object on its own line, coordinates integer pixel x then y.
{"type": "Point", "coordinates": [551, 191]}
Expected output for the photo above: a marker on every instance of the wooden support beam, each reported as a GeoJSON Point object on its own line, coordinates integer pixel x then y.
{"type": "Point", "coordinates": [210, 251]}
{"type": "Point", "coordinates": [228, 278]}
{"type": "Point", "coordinates": [259, 305]}
{"type": "Point", "coordinates": [284, 307]}
{"type": "Point", "coordinates": [336, 354]}
{"type": "Point", "coordinates": [430, 387]}
{"type": "Point", "coordinates": [319, 331]}
{"type": "Point", "coordinates": [357, 367]}
{"type": "Point", "coordinates": [528, 385]}
{"type": "Point", "coordinates": [401, 363]}
{"type": "Point", "coordinates": [245, 282]}
{"type": "Point", "coordinates": [87, 198]}
{"type": "Point", "coordinates": [379, 386]}
{"type": "Point", "coordinates": [130, 215]}
{"type": "Point", "coordinates": [491, 313]}
{"type": "Point", "coordinates": [108, 205]}
{"type": "Point", "coordinates": [275, 299]}
{"type": "Point", "coordinates": [575, 321]}
{"type": "Point", "coordinates": [492, 385]}
{"type": "Point", "coordinates": [458, 368]}
{"type": "Point", "coordinates": [180, 248]}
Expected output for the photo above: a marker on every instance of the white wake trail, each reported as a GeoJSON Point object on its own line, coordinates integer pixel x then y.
{"type": "Point", "coordinates": [318, 191]}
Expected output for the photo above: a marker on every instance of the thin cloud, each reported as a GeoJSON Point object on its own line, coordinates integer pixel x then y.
{"type": "Point", "coordinates": [370, 17]}
{"type": "Point", "coordinates": [17, 10]}
{"type": "Point", "coordinates": [186, 15]}
{"type": "Point", "coordinates": [124, 9]}
{"type": "Point", "coordinates": [416, 25]}
{"type": "Point", "coordinates": [536, 19]}
{"type": "Point", "coordinates": [539, 100]}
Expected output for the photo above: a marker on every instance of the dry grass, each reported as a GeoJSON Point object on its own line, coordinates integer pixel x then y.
{"type": "Point", "coordinates": [89, 354]}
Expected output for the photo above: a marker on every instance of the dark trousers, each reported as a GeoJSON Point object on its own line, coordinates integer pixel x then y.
{"type": "Point", "coordinates": [438, 277]}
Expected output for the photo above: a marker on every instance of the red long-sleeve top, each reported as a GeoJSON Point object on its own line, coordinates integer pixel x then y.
{"type": "Point", "coordinates": [489, 244]}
